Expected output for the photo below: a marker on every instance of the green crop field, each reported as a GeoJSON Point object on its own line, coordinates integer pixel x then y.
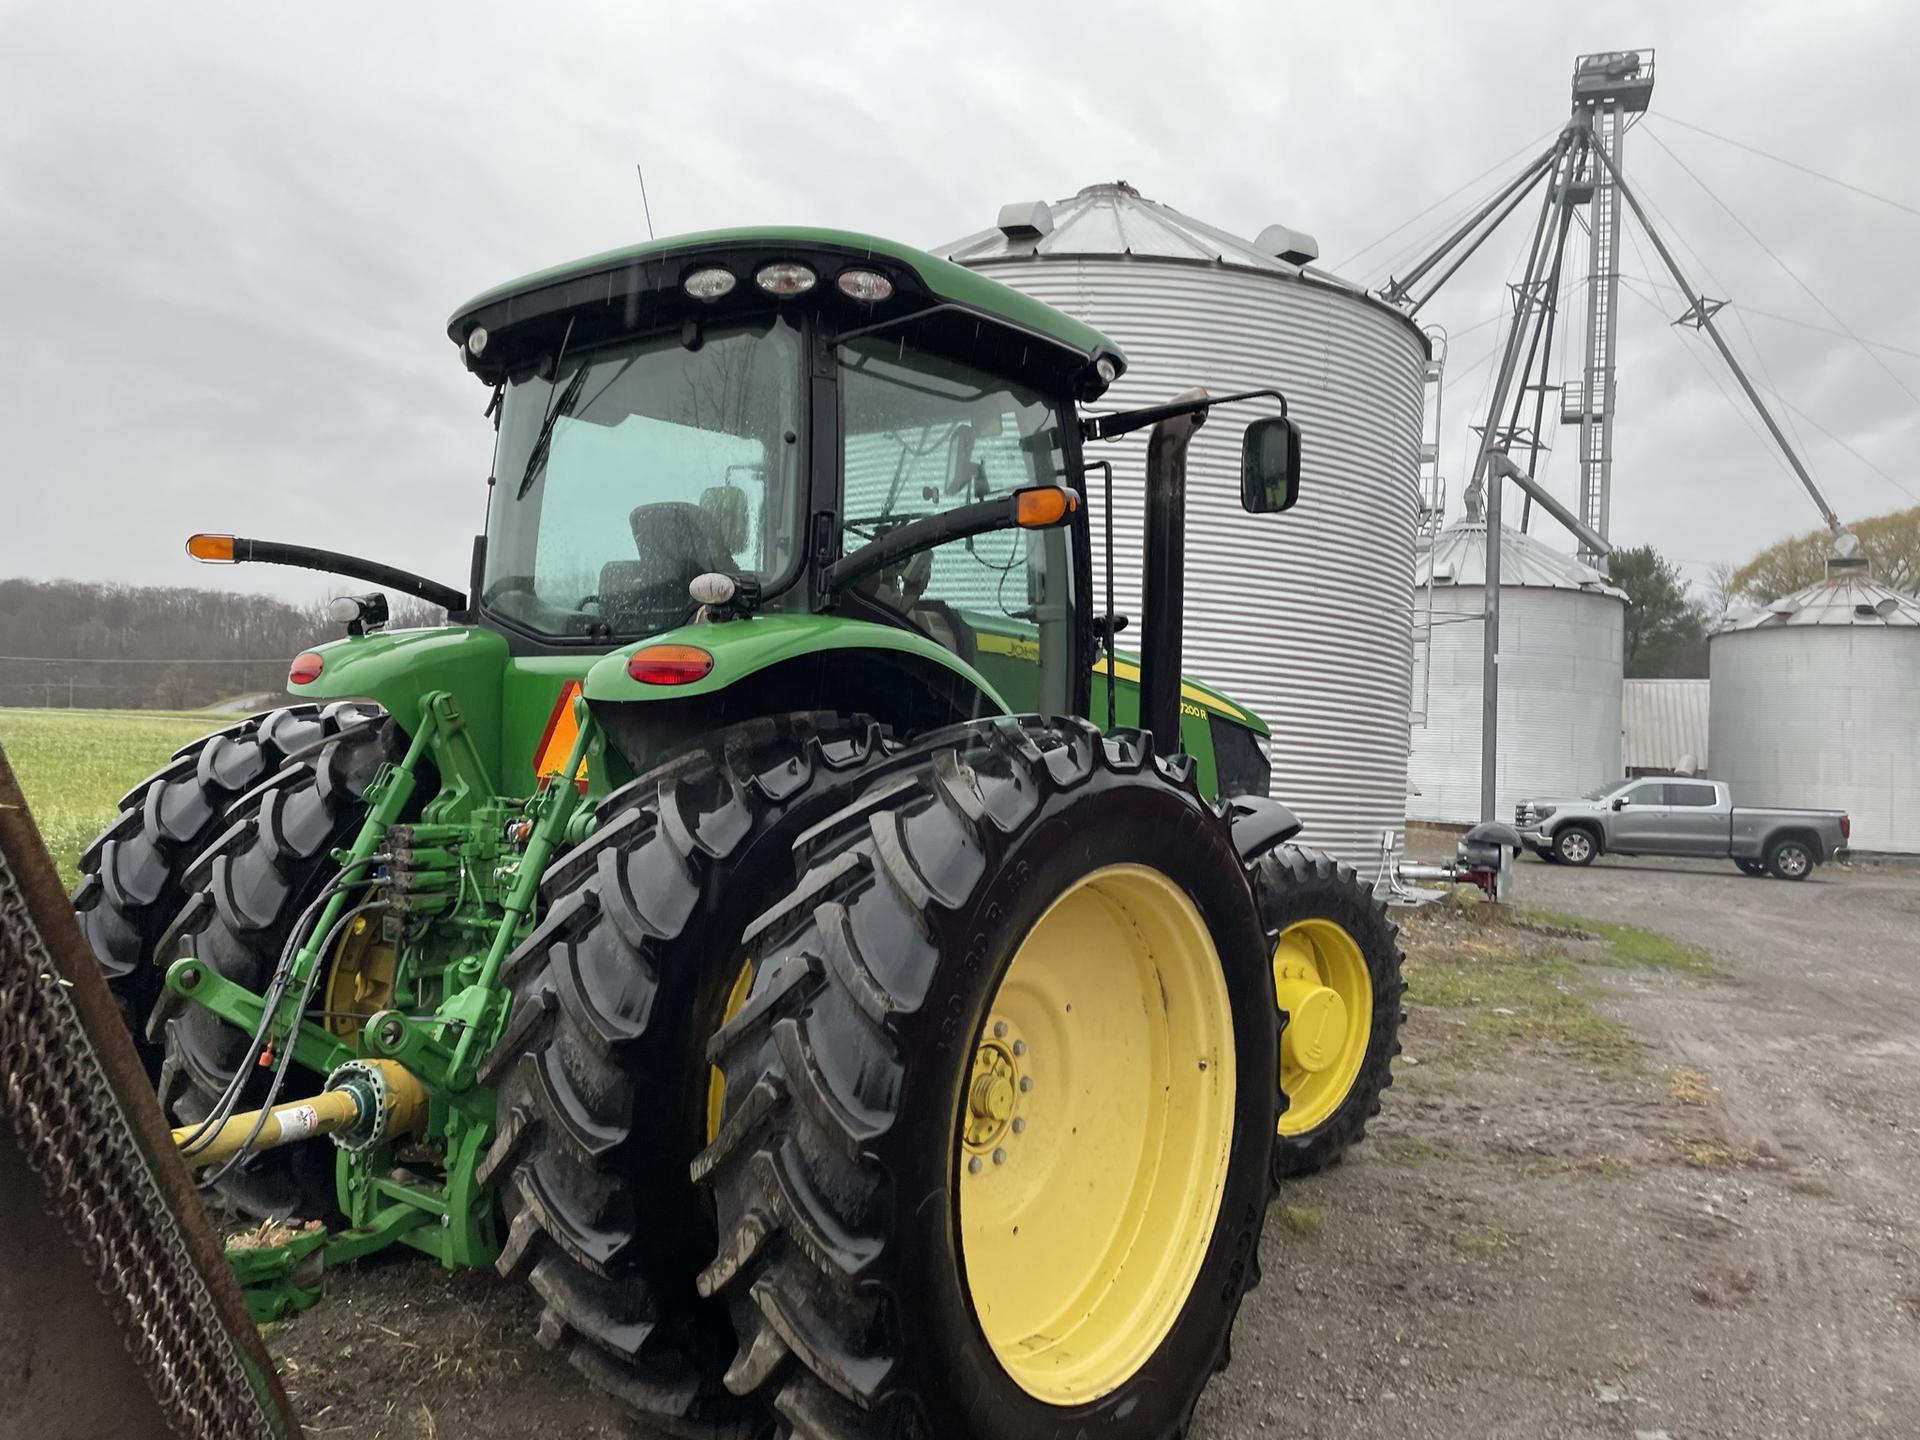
{"type": "Point", "coordinates": [76, 764]}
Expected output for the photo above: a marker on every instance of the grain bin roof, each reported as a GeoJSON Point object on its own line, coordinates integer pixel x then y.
{"type": "Point", "coordinates": [1459, 557]}
{"type": "Point", "coordinates": [1848, 596]}
{"type": "Point", "coordinates": [1116, 220]}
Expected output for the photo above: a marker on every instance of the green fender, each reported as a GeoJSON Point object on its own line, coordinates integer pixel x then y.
{"type": "Point", "coordinates": [743, 648]}
{"type": "Point", "coordinates": [395, 668]}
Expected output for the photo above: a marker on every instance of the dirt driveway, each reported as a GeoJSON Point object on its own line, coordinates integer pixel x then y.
{"type": "Point", "coordinates": [1624, 1187]}
{"type": "Point", "coordinates": [1712, 1234]}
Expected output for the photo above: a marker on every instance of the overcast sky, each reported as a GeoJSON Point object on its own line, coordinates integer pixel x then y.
{"type": "Point", "coordinates": [230, 236]}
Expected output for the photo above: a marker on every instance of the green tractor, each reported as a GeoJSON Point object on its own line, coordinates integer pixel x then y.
{"type": "Point", "coordinates": [770, 917]}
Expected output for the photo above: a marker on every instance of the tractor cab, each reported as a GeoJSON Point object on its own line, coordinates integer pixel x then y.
{"type": "Point", "coordinates": [770, 407]}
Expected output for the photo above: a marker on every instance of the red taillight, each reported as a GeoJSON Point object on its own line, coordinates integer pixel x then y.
{"type": "Point", "coordinates": [669, 664]}
{"type": "Point", "coordinates": [306, 668]}
{"type": "Point", "coordinates": [1846, 827]}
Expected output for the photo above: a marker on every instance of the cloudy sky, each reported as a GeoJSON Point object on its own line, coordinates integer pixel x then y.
{"type": "Point", "coordinates": [230, 235]}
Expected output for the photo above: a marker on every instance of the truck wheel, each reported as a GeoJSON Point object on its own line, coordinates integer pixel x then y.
{"type": "Point", "coordinates": [1001, 1103]}
{"type": "Point", "coordinates": [603, 1082]}
{"type": "Point", "coordinates": [1336, 971]}
{"type": "Point", "coordinates": [1752, 867]}
{"type": "Point", "coordinates": [130, 876]}
{"type": "Point", "coordinates": [1790, 860]}
{"type": "Point", "coordinates": [1574, 845]}
{"type": "Point", "coordinates": [245, 895]}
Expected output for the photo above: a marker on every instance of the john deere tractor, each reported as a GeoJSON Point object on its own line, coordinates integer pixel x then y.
{"type": "Point", "coordinates": [769, 916]}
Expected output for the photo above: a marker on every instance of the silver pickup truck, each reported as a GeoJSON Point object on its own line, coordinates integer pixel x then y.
{"type": "Point", "coordinates": [1661, 816]}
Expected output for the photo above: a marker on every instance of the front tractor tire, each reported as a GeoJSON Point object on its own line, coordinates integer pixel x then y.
{"type": "Point", "coordinates": [1001, 1103]}
{"type": "Point", "coordinates": [1337, 977]}
{"type": "Point", "coordinates": [132, 877]}
{"type": "Point", "coordinates": [603, 1082]}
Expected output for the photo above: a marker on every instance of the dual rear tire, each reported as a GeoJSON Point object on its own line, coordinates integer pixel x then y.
{"type": "Point", "coordinates": [1001, 1104]}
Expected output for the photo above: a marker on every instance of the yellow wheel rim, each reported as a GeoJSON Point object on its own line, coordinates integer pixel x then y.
{"type": "Point", "coordinates": [360, 978]}
{"type": "Point", "coordinates": [1095, 1133]}
{"type": "Point", "coordinates": [716, 1082]}
{"type": "Point", "coordinates": [1321, 980]}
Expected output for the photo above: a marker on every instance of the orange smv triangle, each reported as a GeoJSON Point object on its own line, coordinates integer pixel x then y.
{"type": "Point", "coordinates": [556, 745]}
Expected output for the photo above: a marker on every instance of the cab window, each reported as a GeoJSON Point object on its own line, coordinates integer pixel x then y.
{"type": "Point", "coordinates": [926, 433]}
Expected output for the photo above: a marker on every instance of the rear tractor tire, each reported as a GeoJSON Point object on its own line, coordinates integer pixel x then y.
{"type": "Point", "coordinates": [132, 877]}
{"type": "Point", "coordinates": [1336, 974]}
{"type": "Point", "coordinates": [1001, 1104]}
{"type": "Point", "coordinates": [605, 1092]}
{"type": "Point", "coordinates": [245, 895]}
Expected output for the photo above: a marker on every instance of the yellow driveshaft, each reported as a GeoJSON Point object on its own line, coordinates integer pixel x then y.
{"type": "Point", "coordinates": [364, 1103]}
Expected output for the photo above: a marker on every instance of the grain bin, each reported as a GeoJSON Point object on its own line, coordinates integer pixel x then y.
{"type": "Point", "coordinates": [1305, 618]}
{"type": "Point", "coordinates": [1562, 630]}
{"type": "Point", "coordinates": [1814, 701]}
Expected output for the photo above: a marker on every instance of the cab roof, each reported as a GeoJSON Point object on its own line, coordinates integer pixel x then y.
{"type": "Point", "coordinates": [615, 278]}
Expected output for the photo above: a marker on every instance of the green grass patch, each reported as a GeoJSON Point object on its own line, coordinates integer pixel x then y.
{"type": "Point", "coordinates": [1511, 998]}
{"type": "Point", "coordinates": [76, 764]}
{"type": "Point", "coordinates": [1302, 1219]}
{"type": "Point", "coordinates": [1632, 948]}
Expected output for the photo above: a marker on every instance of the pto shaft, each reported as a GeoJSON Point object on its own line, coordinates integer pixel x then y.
{"type": "Point", "coordinates": [364, 1102]}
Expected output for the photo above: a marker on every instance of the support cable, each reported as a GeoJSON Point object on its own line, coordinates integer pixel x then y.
{"type": "Point", "coordinates": [1666, 119]}
{"type": "Point", "coordinates": [1499, 164]}
{"type": "Point", "coordinates": [1628, 194]}
{"type": "Point", "coordinates": [1788, 270]}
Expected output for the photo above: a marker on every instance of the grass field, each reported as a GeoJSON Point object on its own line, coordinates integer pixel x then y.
{"type": "Point", "coordinates": [76, 764]}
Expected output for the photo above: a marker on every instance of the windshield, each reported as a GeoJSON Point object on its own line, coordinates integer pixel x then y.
{"type": "Point", "coordinates": [638, 467]}
{"type": "Point", "coordinates": [1601, 792]}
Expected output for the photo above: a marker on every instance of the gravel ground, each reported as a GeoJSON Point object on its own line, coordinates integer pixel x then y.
{"type": "Point", "coordinates": [1608, 1197]}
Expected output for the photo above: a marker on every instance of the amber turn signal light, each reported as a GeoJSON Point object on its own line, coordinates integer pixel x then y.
{"type": "Point", "coordinates": [306, 667]}
{"type": "Point", "coordinates": [1043, 505]}
{"type": "Point", "coordinates": [217, 549]}
{"type": "Point", "coordinates": [669, 664]}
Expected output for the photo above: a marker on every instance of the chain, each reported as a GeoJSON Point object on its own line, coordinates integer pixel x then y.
{"type": "Point", "coordinates": [70, 1127]}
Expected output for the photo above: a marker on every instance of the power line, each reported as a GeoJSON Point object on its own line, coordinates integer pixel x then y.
{"type": "Point", "coordinates": [117, 660]}
{"type": "Point", "coordinates": [1790, 164]}
{"type": "Point", "coordinates": [1790, 273]}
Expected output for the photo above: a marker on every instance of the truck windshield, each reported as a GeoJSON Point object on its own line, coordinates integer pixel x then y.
{"type": "Point", "coordinates": [638, 467]}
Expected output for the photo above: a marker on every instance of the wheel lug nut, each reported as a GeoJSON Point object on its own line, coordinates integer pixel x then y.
{"type": "Point", "coordinates": [1026, 1083]}
{"type": "Point", "coordinates": [1000, 1030]}
{"type": "Point", "coordinates": [1019, 1124]}
{"type": "Point", "coordinates": [974, 1167]}
{"type": "Point", "coordinates": [999, 1156]}
{"type": "Point", "coordinates": [1019, 1047]}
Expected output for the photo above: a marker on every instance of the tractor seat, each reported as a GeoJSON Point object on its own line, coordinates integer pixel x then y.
{"type": "Point", "coordinates": [676, 542]}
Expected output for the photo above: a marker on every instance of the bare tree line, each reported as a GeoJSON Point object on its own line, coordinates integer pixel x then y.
{"type": "Point", "coordinates": [66, 642]}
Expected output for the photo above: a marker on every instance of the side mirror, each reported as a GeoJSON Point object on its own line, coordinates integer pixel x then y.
{"type": "Point", "coordinates": [1619, 802]}
{"type": "Point", "coordinates": [1270, 466]}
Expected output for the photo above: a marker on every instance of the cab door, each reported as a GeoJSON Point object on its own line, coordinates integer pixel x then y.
{"type": "Point", "coordinates": [1638, 823]}
{"type": "Point", "coordinates": [1697, 821]}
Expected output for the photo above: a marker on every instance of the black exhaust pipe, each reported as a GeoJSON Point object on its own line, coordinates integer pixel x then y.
{"type": "Point", "coordinates": [1164, 580]}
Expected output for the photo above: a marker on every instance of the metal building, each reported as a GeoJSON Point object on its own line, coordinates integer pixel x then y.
{"type": "Point", "coordinates": [1304, 618]}
{"type": "Point", "coordinates": [1562, 632]}
{"type": "Point", "coordinates": [1663, 726]}
{"type": "Point", "coordinates": [1815, 702]}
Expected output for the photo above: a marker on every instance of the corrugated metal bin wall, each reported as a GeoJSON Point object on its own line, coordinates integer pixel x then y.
{"type": "Point", "coordinates": [1304, 617]}
{"type": "Point", "coordinates": [1826, 717]}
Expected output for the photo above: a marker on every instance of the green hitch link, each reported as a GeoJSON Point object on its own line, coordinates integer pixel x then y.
{"type": "Point", "coordinates": [554, 808]}
{"type": "Point", "coordinates": [390, 791]}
